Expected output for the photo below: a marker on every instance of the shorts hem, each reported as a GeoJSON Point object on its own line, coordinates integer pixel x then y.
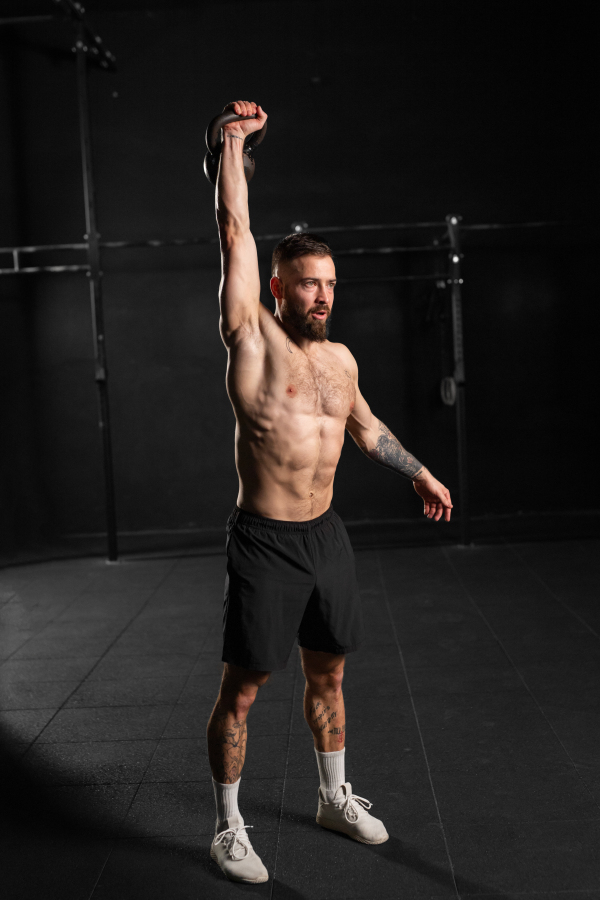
{"type": "Point", "coordinates": [338, 650]}
{"type": "Point", "coordinates": [253, 664]}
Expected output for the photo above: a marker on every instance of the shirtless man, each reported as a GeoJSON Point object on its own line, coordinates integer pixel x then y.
{"type": "Point", "coordinates": [290, 565]}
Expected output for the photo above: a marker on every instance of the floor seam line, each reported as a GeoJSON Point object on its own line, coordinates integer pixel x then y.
{"type": "Point", "coordinates": [513, 664]}
{"type": "Point", "coordinates": [141, 781]}
{"type": "Point", "coordinates": [416, 718]}
{"type": "Point", "coordinates": [287, 759]}
{"type": "Point", "coordinates": [547, 587]}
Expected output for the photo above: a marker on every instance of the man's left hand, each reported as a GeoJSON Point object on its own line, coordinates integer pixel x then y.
{"type": "Point", "coordinates": [436, 498]}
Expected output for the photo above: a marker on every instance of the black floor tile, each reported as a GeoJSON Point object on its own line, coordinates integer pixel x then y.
{"type": "Point", "coordinates": [179, 759]}
{"type": "Point", "coordinates": [101, 806]}
{"type": "Point", "coordinates": [270, 717]}
{"type": "Point", "coordinates": [550, 649]}
{"type": "Point", "coordinates": [163, 808]}
{"type": "Point", "coordinates": [496, 792]}
{"type": "Point", "coordinates": [94, 762]}
{"type": "Point", "coordinates": [175, 867]}
{"type": "Point", "coordinates": [461, 729]}
{"type": "Point", "coordinates": [59, 669]}
{"type": "Point", "coordinates": [115, 667]}
{"type": "Point", "coordinates": [590, 775]}
{"type": "Point", "coordinates": [266, 755]}
{"type": "Point", "coordinates": [26, 724]}
{"type": "Point", "coordinates": [368, 753]}
{"type": "Point", "coordinates": [322, 864]}
{"type": "Point", "coordinates": [406, 799]}
{"type": "Point", "coordinates": [35, 694]}
{"type": "Point", "coordinates": [443, 649]}
{"type": "Point", "coordinates": [501, 734]}
{"type": "Point", "coordinates": [12, 640]}
{"type": "Point", "coordinates": [190, 718]}
{"type": "Point", "coordinates": [485, 678]}
{"type": "Point", "coordinates": [208, 662]}
{"type": "Point", "coordinates": [118, 723]}
{"type": "Point", "coordinates": [526, 857]}
{"type": "Point", "coordinates": [578, 730]}
{"type": "Point", "coordinates": [201, 687]}
{"type": "Point", "coordinates": [52, 866]}
{"type": "Point", "coordinates": [128, 692]}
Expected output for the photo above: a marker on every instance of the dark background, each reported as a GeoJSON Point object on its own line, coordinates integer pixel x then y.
{"type": "Point", "coordinates": [381, 112]}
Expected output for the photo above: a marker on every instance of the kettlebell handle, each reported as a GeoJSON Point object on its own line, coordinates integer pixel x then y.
{"type": "Point", "coordinates": [213, 132]}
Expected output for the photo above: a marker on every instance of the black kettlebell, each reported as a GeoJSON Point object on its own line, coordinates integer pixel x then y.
{"type": "Point", "coordinates": [214, 143]}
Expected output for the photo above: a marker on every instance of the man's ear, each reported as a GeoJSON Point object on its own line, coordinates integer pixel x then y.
{"type": "Point", "coordinates": [277, 287]}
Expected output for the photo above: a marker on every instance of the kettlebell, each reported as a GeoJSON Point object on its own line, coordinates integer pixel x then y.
{"type": "Point", "coordinates": [214, 143]}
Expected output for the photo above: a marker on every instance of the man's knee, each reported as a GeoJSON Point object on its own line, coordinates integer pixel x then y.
{"type": "Point", "coordinates": [324, 672]}
{"type": "Point", "coordinates": [239, 688]}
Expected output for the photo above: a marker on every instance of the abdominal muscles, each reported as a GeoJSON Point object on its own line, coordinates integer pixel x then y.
{"type": "Point", "coordinates": [287, 464]}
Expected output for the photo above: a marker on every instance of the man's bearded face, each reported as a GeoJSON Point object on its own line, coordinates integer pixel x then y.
{"type": "Point", "coordinates": [307, 286]}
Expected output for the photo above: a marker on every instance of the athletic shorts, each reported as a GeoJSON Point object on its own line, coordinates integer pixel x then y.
{"type": "Point", "coordinates": [288, 580]}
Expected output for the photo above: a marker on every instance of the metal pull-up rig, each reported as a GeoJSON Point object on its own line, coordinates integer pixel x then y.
{"type": "Point", "coordinates": [445, 238]}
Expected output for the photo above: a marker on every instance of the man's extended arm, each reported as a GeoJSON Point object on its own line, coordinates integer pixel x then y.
{"type": "Point", "coordinates": [389, 452]}
{"type": "Point", "coordinates": [378, 443]}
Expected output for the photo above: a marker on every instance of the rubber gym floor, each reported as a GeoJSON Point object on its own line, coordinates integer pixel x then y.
{"type": "Point", "coordinates": [473, 727]}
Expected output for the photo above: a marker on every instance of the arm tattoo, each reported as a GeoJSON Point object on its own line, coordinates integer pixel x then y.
{"type": "Point", "coordinates": [389, 452]}
{"type": "Point", "coordinates": [236, 136]}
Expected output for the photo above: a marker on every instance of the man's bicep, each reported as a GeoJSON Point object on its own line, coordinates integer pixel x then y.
{"type": "Point", "coordinates": [361, 421]}
{"type": "Point", "coordinates": [239, 292]}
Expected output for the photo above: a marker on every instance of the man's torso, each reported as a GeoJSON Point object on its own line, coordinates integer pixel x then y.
{"type": "Point", "coordinates": [291, 411]}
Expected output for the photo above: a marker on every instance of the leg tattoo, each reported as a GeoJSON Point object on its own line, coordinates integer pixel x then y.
{"type": "Point", "coordinates": [326, 717]}
{"type": "Point", "coordinates": [227, 736]}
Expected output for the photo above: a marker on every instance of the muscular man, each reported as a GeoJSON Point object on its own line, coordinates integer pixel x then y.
{"type": "Point", "coordinates": [290, 565]}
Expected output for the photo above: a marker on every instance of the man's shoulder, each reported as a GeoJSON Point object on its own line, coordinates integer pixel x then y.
{"type": "Point", "coordinates": [343, 353]}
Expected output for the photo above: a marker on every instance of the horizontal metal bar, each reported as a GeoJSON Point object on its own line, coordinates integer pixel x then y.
{"type": "Point", "coordinates": [199, 241]}
{"type": "Point", "coordinates": [510, 225]}
{"type": "Point", "coordinates": [361, 251]}
{"type": "Point", "coordinates": [395, 226]}
{"type": "Point", "coordinates": [172, 242]}
{"type": "Point", "coordinates": [24, 20]}
{"type": "Point", "coordinates": [41, 247]}
{"type": "Point", "coordinates": [436, 276]}
{"type": "Point", "coordinates": [31, 270]}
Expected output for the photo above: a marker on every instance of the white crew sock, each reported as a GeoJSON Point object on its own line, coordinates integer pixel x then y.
{"type": "Point", "coordinates": [331, 771]}
{"type": "Point", "coordinates": [226, 798]}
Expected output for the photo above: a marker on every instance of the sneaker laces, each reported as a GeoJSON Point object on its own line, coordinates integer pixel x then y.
{"type": "Point", "coordinates": [352, 809]}
{"type": "Point", "coordinates": [233, 836]}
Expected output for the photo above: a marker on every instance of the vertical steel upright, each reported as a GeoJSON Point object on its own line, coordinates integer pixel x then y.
{"type": "Point", "coordinates": [455, 280]}
{"type": "Point", "coordinates": [95, 278]}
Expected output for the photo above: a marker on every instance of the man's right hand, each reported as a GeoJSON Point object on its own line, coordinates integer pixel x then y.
{"type": "Point", "coordinates": [245, 108]}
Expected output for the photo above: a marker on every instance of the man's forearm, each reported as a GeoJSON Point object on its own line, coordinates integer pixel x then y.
{"type": "Point", "coordinates": [232, 188]}
{"type": "Point", "coordinates": [387, 450]}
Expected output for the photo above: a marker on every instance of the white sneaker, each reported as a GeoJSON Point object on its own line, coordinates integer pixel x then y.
{"type": "Point", "coordinates": [232, 851]}
{"type": "Point", "coordinates": [348, 813]}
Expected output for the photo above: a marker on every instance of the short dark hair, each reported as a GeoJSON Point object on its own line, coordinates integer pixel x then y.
{"type": "Point", "coordinates": [299, 244]}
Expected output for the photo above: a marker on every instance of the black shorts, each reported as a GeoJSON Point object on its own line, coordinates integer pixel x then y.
{"type": "Point", "coordinates": [288, 579]}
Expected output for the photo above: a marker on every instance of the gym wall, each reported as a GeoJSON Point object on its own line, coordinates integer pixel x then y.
{"type": "Point", "coordinates": [399, 114]}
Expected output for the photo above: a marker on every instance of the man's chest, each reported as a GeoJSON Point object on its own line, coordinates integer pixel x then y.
{"type": "Point", "coordinates": [317, 385]}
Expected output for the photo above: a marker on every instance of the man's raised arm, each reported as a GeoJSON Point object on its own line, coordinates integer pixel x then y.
{"type": "Point", "coordinates": [239, 292]}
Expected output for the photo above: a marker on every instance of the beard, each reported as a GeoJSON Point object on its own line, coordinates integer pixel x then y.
{"type": "Point", "coordinates": [312, 329]}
